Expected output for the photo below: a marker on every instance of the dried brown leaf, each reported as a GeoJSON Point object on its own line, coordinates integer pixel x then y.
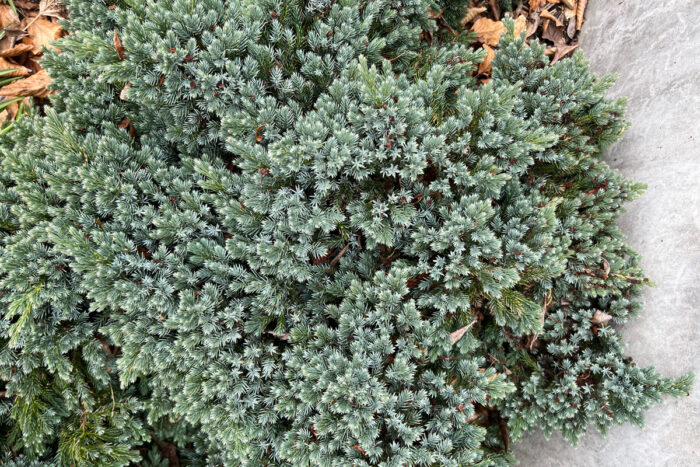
{"type": "Point", "coordinates": [569, 12]}
{"type": "Point", "coordinates": [124, 95]}
{"type": "Point", "coordinates": [485, 65]}
{"type": "Point", "coordinates": [19, 49]}
{"type": "Point", "coordinates": [53, 8]}
{"type": "Point", "coordinates": [533, 24]}
{"type": "Point", "coordinates": [520, 25]}
{"type": "Point", "coordinates": [495, 8]}
{"type": "Point", "coordinates": [7, 16]}
{"type": "Point", "coordinates": [34, 85]}
{"type": "Point", "coordinates": [7, 65]}
{"type": "Point", "coordinates": [11, 37]}
{"type": "Point", "coordinates": [571, 29]}
{"type": "Point", "coordinates": [606, 267]}
{"type": "Point", "coordinates": [571, 4]}
{"type": "Point", "coordinates": [488, 31]}
{"type": "Point", "coordinates": [258, 133]}
{"type": "Point", "coordinates": [535, 4]}
{"type": "Point", "coordinates": [580, 9]}
{"type": "Point", "coordinates": [457, 335]}
{"type": "Point", "coordinates": [471, 14]}
{"type": "Point", "coordinates": [41, 33]}
{"type": "Point", "coordinates": [26, 5]}
{"type": "Point", "coordinates": [118, 46]}
{"type": "Point", "coordinates": [563, 50]}
{"type": "Point", "coordinates": [548, 15]}
{"type": "Point", "coordinates": [554, 33]}
{"type": "Point", "coordinates": [601, 318]}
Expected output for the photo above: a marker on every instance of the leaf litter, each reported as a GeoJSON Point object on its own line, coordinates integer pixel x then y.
{"type": "Point", "coordinates": [556, 23]}
{"type": "Point", "coordinates": [27, 28]}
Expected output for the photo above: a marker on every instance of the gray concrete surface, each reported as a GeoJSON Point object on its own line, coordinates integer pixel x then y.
{"type": "Point", "coordinates": [654, 47]}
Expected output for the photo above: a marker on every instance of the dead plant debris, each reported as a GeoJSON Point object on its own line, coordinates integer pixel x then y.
{"type": "Point", "coordinates": [26, 28]}
{"type": "Point", "coordinates": [557, 23]}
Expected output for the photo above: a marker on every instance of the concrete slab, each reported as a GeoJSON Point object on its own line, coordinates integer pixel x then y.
{"type": "Point", "coordinates": [654, 47]}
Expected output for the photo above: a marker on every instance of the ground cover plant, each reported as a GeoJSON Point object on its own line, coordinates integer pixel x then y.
{"type": "Point", "coordinates": [292, 232]}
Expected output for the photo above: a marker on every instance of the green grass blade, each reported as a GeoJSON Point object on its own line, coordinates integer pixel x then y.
{"type": "Point", "coordinates": [6, 103]}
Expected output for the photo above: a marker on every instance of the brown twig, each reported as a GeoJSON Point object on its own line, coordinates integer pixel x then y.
{"type": "Point", "coordinates": [335, 260]}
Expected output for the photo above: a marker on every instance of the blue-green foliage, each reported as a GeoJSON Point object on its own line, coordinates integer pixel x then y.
{"type": "Point", "coordinates": [291, 233]}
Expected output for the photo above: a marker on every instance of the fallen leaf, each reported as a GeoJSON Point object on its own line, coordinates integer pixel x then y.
{"type": "Point", "coordinates": [42, 32]}
{"type": "Point", "coordinates": [606, 267]}
{"type": "Point", "coordinates": [434, 15]}
{"type": "Point", "coordinates": [12, 35]}
{"type": "Point", "coordinates": [495, 8]}
{"type": "Point", "coordinates": [34, 85]}
{"type": "Point", "coordinates": [554, 34]}
{"type": "Point", "coordinates": [53, 8]}
{"type": "Point", "coordinates": [457, 335]}
{"type": "Point", "coordinates": [118, 46]}
{"type": "Point", "coordinates": [533, 24]}
{"type": "Point", "coordinates": [535, 4]}
{"type": "Point", "coordinates": [563, 51]}
{"type": "Point", "coordinates": [357, 446]}
{"type": "Point", "coordinates": [600, 318]}
{"type": "Point", "coordinates": [19, 49]}
{"type": "Point", "coordinates": [569, 3]}
{"type": "Point", "coordinates": [489, 31]}
{"type": "Point", "coordinates": [520, 25]}
{"type": "Point", "coordinates": [569, 12]}
{"type": "Point", "coordinates": [485, 65]}
{"type": "Point", "coordinates": [7, 16]}
{"type": "Point", "coordinates": [26, 5]}
{"type": "Point", "coordinates": [7, 65]}
{"type": "Point", "coordinates": [471, 14]}
{"type": "Point", "coordinates": [548, 15]}
{"type": "Point", "coordinates": [571, 29]}
{"type": "Point", "coordinates": [580, 9]}
{"type": "Point", "coordinates": [124, 95]}
{"type": "Point", "coordinates": [258, 136]}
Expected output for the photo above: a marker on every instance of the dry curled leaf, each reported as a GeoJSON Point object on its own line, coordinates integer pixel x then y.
{"type": "Point", "coordinates": [34, 85]}
{"type": "Point", "coordinates": [533, 24]}
{"type": "Point", "coordinates": [562, 51]}
{"type": "Point", "coordinates": [535, 4]}
{"type": "Point", "coordinates": [457, 335]}
{"type": "Point", "coordinates": [41, 33]}
{"type": "Point", "coordinates": [19, 70]}
{"type": "Point", "coordinates": [606, 267]}
{"type": "Point", "coordinates": [569, 13]}
{"type": "Point", "coordinates": [571, 4]}
{"type": "Point", "coordinates": [7, 16]}
{"type": "Point", "coordinates": [580, 9]}
{"type": "Point", "coordinates": [601, 318]}
{"type": "Point", "coordinates": [485, 65]}
{"type": "Point", "coordinates": [118, 46]}
{"type": "Point", "coordinates": [555, 34]}
{"type": "Point", "coordinates": [124, 95]}
{"type": "Point", "coordinates": [53, 8]}
{"type": "Point", "coordinates": [471, 14]}
{"type": "Point", "coordinates": [488, 31]}
{"type": "Point", "coordinates": [495, 8]}
{"type": "Point", "coordinates": [520, 25]}
{"type": "Point", "coordinates": [18, 49]}
{"type": "Point", "coordinates": [258, 133]}
{"type": "Point", "coordinates": [548, 15]}
{"type": "Point", "coordinates": [26, 5]}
